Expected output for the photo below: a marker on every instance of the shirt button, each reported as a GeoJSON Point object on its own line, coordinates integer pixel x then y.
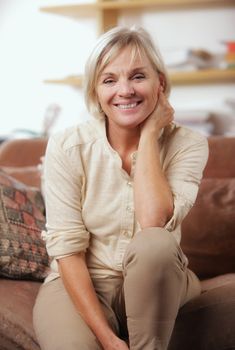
{"type": "Point", "coordinates": [134, 156]}
{"type": "Point", "coordinates": [126, 233]}
{"type": "Point", "coordinates": [129, 209]}
{"type": "Point", "coordinates": [129, 183]}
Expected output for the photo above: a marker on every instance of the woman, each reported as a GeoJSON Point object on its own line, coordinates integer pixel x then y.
{"type": "Point", "coordinates": [117, 189]}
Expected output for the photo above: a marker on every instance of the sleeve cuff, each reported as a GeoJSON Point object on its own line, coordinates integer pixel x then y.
{"type": "Point", "coordinates": [181, 209]}
{"type": "Point", "coordinates": [57, 246]}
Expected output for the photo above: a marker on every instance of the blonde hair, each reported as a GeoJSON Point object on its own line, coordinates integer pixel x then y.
{"type": "Point", "coordinates": [108, 46]}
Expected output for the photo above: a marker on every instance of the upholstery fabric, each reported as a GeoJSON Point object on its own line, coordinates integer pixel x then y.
{"type": "Point", "coordinates": [22, 152]}
{"type": "Point", "coordinates": [22, 251]}
{"type": "Point", "coordinates": [221, 162]}
{"type": "Point", "coordinates": [208, 230]}
{"type": "Point", "coordinates": [200, 319]}
{"type": "Point", "coordinates": [207, 322]}
{"type": "Point", "coordinates": [17, 300]}
{"type": "Point", "coordinates": [29, 175]}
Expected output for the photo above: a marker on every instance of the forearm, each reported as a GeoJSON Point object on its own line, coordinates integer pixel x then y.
{"type": "Point", "coordinates": [77, 281]}
{"type": "Point", "coordinates": [152, 194]}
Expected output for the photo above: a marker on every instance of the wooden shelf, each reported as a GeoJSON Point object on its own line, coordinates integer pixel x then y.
{"type": "Point", "coordinates": [108, 11]}
{"type": "Point", "coordinates": [76, 10]}
{"type": "Point", "coordinates": [73, 80]}
{"type": "Point", "coordinates": [212, 76]}
{"type": "Point", "coordinates": [207, 76]}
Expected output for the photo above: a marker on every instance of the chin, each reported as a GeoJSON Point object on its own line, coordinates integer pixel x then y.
{"type": "Point", "coordinates": [131, 120]}
{"type": "Point", "coordinates": [129, 124]}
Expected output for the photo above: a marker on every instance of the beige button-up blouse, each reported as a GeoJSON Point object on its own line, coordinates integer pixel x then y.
{"type": "Point", "coordinates": [89, 197]}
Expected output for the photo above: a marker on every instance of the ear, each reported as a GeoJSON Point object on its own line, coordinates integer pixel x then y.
{"type": "Point", "coordinates": [162, 81]}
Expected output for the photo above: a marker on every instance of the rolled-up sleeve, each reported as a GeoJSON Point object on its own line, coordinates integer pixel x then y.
{"type": "Point", "coordinates": [65, 232]}
{"type": "Point", "coordinates": [184, 173]}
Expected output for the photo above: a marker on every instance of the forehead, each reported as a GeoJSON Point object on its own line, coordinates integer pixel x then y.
{"type": "Point", "coordinates": [126, 58]}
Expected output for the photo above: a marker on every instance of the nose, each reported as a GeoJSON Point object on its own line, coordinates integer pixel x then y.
{"type": "Point", "coordinates": [125, 88]}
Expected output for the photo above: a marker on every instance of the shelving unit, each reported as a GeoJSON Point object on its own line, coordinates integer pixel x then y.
{"type": "Point", "coordinates": [107, 11]}
{"type": "Point", "coordinates": [212, 76]}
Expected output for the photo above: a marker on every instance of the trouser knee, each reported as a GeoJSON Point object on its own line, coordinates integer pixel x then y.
{"type": "Point", "coordinates": [152, 249]}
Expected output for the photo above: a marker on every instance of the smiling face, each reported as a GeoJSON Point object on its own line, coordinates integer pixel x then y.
{"type": "Point", "coordinates": [127, 89]}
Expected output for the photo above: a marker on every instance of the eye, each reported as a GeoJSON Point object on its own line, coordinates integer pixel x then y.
{"type": "Point", "coordinates": [138, 76]}
{"type": "Point", "coordinates": [108, 81]}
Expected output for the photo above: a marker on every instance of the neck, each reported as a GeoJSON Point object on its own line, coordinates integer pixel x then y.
{"type": "Point", "coordinates": [124, 141]}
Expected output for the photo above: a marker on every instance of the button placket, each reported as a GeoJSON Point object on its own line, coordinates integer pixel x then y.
{"type": "Point", "coordinates": [122, 244]}
{"type": "Point", "coordinates": [127, 222]}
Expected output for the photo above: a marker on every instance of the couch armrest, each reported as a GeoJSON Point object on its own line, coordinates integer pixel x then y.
{"type": "Point", "coordinates": [22, 152]}
{"type": "Point", "coordinates": [29, 175]}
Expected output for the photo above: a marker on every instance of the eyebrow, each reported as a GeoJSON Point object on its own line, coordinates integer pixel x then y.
{"type": "Point", "coordinates": [135, 70]}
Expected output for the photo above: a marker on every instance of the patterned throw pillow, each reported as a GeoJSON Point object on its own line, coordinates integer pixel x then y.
{"type": "Point", "coordinates": [22, 218]}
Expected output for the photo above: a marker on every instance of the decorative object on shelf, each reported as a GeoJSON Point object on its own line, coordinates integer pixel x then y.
{"type": "Point", "coordinates": [202, 59]}
{"type": "Point", "coordinates": [230, 54]}
{"type": "Point", "coordinates": [224, 121]}
{"type": "Point", "coordinates": [192, 59]}
{"type": "Point", "coordinates": [198, 120]}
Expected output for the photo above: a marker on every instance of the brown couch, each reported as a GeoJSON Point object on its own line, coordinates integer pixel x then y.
{"type": "Point", "coordinates": [208, 239]}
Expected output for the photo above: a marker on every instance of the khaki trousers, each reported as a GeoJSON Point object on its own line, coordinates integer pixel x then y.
{"type": "Point", "coordinates": [142, 305]}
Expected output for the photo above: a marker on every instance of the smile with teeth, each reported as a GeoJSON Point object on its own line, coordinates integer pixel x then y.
{"type": "Point", "coordinates": [128, 105]}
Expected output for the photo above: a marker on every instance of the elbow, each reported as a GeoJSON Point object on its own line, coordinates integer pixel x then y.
{"type": "Point", "coordinates": [151, 223]}
{"type": "Point", "coordinates": [157, 220]}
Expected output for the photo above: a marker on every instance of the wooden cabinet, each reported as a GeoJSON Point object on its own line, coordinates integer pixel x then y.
{"type": "Point", "coordinates": [107, 12]}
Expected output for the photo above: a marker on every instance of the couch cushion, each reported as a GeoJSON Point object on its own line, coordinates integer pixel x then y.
{"type": "Point", "coordinates": [209, 229]}
{"type": "Point", "coordinates": [207, 322]}
{"type": "Point", "coordinates": [22, 251]}
{"type": "Point", "coordinates": [16, 303]}
{"type": "Point", "coordinates": [221, 162]}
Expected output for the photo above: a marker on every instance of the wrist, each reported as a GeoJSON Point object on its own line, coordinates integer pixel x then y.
{"type": "Point", "coordinates": [148, 140]}
{"type": "Point", "coordinates": [154, 133]}
{"type": "Point", "coordinates": [109, 339]}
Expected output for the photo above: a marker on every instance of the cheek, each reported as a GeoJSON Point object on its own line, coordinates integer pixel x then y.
{"type": "Point", "coordinates": [154, 94]}
{"type": "Point", "coordinates": [99, 93]}
{"type": "Point", "coordinates": [103, 96]}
